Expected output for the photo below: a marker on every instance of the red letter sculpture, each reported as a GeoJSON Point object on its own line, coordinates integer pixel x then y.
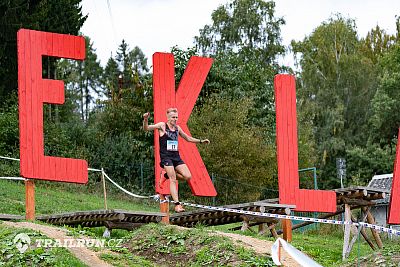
{"type": "Point", "coordinates": [33, 91]}
{"type": "Point", "coordinates": [394, 206]}
{"type": "Point", "coordinates": [184, 99]}
{"type": "Point", "coordinates": [286, 135]}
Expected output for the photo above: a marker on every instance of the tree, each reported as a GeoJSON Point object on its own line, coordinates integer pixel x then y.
{"type": "Point", "coordinates": [61, 16]}
{"type": "Point", "coordinates": [111, 77]}
{"type": "Point", "coordinates": [237, 151]}
{"type": "Point", "coordinates": [84, 79]}
{"type": "Point", "coordinates": [376, 43]}
{"type": "Point", "coordinates": [337, 82]}
{"type": "Point", "coordinates": [244, 38]}
{"type": "Point", "coordinates": [246, 26]}
{"type": "Point", "coordinates": [385, 119]}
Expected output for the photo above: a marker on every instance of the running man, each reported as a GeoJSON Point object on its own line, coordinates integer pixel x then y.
{"type": "Point", "coordinates": [171, 161]}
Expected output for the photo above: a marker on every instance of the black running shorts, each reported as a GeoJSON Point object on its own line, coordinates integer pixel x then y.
{"type": "Point", "coordinates": [174, 161]}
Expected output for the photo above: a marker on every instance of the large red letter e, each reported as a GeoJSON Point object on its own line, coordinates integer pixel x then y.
{"type": "Point", "coordinates": [33, 91]}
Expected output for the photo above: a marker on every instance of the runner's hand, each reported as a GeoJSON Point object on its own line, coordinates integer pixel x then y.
{"type": "Point", "coordinates": [146, 115]}
{"type": "Point", "coordinates": [205, 141]}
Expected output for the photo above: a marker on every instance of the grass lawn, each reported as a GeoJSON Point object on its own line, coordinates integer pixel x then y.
{"type": "Point", "coordinates": [51, 199]}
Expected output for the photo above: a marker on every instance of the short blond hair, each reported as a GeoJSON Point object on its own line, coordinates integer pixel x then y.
{"type": "Point", "coordinates": [172, 110]}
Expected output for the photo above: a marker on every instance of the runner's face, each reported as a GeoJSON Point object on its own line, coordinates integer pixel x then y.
{"type": "Point", "coordinates": [173, 118]}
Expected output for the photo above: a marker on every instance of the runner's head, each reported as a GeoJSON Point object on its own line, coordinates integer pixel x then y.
{"type": "Point", "coordinates": [172, 115]}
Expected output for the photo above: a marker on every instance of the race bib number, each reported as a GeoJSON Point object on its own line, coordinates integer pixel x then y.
{"type": "Point", "coordinates": [172, 145]}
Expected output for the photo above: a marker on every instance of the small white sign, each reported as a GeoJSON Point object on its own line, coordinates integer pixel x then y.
{"type": "Point", "coordinates": [172, 145]}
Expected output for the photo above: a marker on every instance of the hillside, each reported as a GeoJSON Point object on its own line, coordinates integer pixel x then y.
{"type": "Point", "coordinates": [158, 245]}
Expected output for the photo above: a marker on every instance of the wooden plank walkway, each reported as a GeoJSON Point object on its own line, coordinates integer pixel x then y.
{"type": "Point", "coordinates": [95, 218]}
{"type": "Point", "coordinates": [215, 217]}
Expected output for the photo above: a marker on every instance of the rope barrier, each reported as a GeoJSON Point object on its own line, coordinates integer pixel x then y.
{"type": "Point", "coordinates": [126, 191]}
{"type": "Point", "coordinates": [1, 157]}
{"type": "Point", "coordinates": [13, 178]}
{"type": "Point", "coordinates": [94, 170]}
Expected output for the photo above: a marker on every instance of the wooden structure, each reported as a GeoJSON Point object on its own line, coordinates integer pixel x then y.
{"type": "Point", "coordinates": [184, 98]}
{"type": "Point", "coordinates": [358, 197]}
{"type": "Point", "coordinates": [112, 219]}
{"type": "Point", "coordinates": [215, 217]}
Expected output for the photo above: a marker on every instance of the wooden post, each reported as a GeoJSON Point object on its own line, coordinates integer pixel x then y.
{"type": "Point", "coordinates": [164, 208]}
{"type": "Point", "coordinates": [271, 227]}
{"type": "Point", "coordinates": [245, 224]}
{"type": "Point", "coordinates": [371, 220]}
{"type": "Point", "coordinates": [261, 229]}
{"type": "Point", "coordinates": [364, 234]}
{"type": "Point", "coordinates": [30, 199]}
{"type": "Point", "coordinates": [104, 189]}
{"type": "Point", "coordinates": [287, 230]}
{"type": "Point", "coordinates": [279, 251]}
{"type": "Point", "coordinates": [347, 228]}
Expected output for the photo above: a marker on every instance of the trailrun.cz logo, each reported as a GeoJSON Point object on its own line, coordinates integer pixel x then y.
{"type": "Point", "coordinates": [22, 242]}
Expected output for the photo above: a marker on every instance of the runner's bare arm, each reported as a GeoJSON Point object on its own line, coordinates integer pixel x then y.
{"type": "Point", "coordinates": [151, 127]}
{"type": "Point", "coordinates": [191, 139]}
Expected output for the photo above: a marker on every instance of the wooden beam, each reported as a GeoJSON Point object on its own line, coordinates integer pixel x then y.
{"type": "Point", "coordinates": [271, 227]}
{"type": "Point", "coordinates": [104, 189]}
{"type": "Point", "coordinates": [347, 228]}
{"type": "Point", "coordinates": [375, 234]}
{"type": "Point", "coordinates": [30, 200]}
{"type": "Point", "coordinates": [122, 225]}
{"type": "Point", "coordinates": [287, 229]}
{"type": "Point", "coordinates": [356, 232]}
{"type": "Point", "coordinates": [164, 208]}
{"type": "Point", "coordinates": [261, 229]}
{"type": "Point", "coordinates": [364, 234]}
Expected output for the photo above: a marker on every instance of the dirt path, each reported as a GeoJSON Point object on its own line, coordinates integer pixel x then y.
{"type": "Point", "coordinates": [86, 255]}
{"type": "Point", "coordinates": [259, 246]}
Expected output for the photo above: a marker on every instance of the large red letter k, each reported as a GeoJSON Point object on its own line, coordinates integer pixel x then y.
{"type": "Point", "coordinates": [184, 99]}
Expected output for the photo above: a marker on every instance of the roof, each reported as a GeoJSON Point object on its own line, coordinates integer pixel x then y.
{"type": "Point", "coordinates": [383, 181]}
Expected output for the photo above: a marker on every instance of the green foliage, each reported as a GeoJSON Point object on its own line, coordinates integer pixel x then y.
{"type": "Point", "coordinates": [84, 79]}
{"type": "Point", "coordinates": [245, 40]}
{"type": "Point", "coordinates": [126, 160]}
{"type": "Point", "coordinates": [9, 133]}
{"type": "Point", "coordinates": [33, 256]}
{"type": "Point", "coordinates": [337, 83]}
{"type": "Point", "coordinates": [363, 162]}
{"type": "Point", "coordinates": [168, 245]}
{"type": "Point", "coordinates": [377, 43]}
{"type": "Point", "coordinates": [385, 119]}
{"type": "Point", "coordinates": [247, 26]}
{"type": "Point", "coordinates": [237, 150]}
{"type": "Point", "coordinates": [54, 198]}
{"type": "Point", "coordinates": [61, 16]}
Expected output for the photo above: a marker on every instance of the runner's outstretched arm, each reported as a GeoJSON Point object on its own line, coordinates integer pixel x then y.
{"type": "Point", "coordinates": [192, 139]}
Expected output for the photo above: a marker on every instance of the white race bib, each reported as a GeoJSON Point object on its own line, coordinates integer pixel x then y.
{"type": "Point", "coordinates": [172, 145]}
